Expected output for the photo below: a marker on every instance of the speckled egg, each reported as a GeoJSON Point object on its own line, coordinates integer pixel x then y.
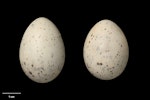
{"type": "Point", "coordinates": [42, 51]}
{"type": "Point", "coordinates": [106, 50]}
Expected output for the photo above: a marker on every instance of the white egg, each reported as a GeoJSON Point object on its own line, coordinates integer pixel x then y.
{"type": "Point", "coordinates": [105, 50]}
{"type": "Point", "coordinates": [42, 51]}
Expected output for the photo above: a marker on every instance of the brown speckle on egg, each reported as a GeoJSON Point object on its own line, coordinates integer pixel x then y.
{"type": "Point", "coordinates": [111, 72]}
{"type": "Point", "coordinates": [42, 68]}
{"type": "Point", "coordinates": [99, 63]}
{"type": "Point", "coordinates": [100, 53]}
{"type": "Point", "coordinates": [24, 63]}
{"type": "Point", "coordinates": [30, 72]}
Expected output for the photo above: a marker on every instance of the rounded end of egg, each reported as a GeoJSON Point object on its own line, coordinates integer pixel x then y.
{"type": "Point", "coordinates": [106, 50]}
{"type": "Point", "coordinates": [42, 51]}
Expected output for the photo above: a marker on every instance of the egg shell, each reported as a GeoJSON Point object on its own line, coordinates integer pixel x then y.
{"type": "Point", "coordinates": [106, 50]}
{"type": "Point", "coordinates": [42, 51]}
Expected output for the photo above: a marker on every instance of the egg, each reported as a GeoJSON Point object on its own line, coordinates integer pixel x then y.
{"type": "Point", "coordinates": [106, 50]}
{"type": "Point", "coordinates": [42, 51]}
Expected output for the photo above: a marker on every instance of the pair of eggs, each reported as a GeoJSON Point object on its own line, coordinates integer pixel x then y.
{"type": "Point", "coordinates": [42, 51]}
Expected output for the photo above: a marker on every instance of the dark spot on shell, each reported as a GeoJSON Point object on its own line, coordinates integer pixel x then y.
{"type": "Point", "coordinates": [30, 72]}
{"type": "Point", "coordinates": [42, 68]}
{"type": "Point", "coordinates": [45, 78]}
{"type": "Point", "coordinates": [99, 63]}
{"type": "Point", "coordinates": [106, 65]}
{"type": "Point", "coordinates": [105, 29]}
{"type": "Point", "coordinates": [24, 63]}
{"type": "Point", "coordinates": [111, 72]}
{"type": "Point", "coordinates": [121, 45]}
{"type": "Point", "coordinates": [116, 55]}
{"type": "Point", "coordinates": [89, 42]}
{"type": "Point", "coordinates": [100, 53]}
{"type": "Point", "coordinates": [32, 65]}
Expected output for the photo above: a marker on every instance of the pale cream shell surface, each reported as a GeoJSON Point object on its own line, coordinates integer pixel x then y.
{"type": "Point", "coordinates": [42, 51]}
{"type": "Point", "coordinates": [106, 50]}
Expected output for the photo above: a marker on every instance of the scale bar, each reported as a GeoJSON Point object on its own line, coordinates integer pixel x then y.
{"type": "Point", "coordinates": [11, 92]}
